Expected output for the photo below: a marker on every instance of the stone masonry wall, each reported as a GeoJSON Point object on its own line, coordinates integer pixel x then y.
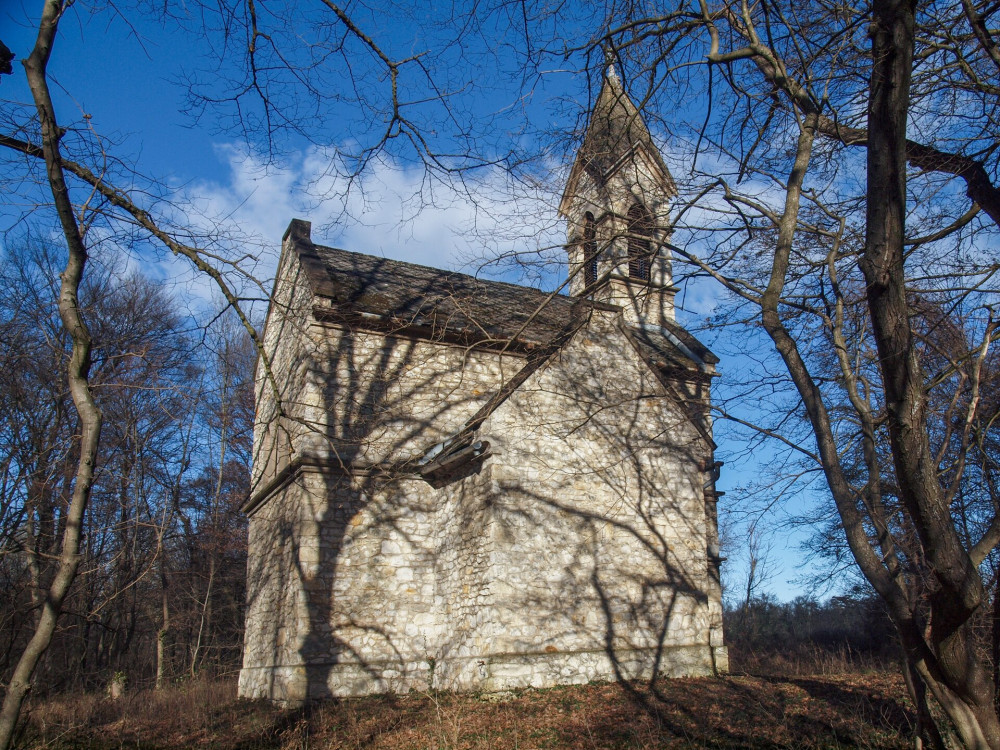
{"type": "Point", "coordinates": [360, 586]}
{"type": "Point", "coordinates": [358, 397]}
{"type": "Point", "coordinates": [601, 505]}
{"type": "Point", "coordinates": [576, 552]}
{"type": "Point", "coordinates": [284, 342]}
{"type": "Point", "coordinates": [374, 398]}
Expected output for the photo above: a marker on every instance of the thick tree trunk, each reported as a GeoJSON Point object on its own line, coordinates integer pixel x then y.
{"type": "Point", "coordinates": [995, 644]}
{"type": "Point", "coordinates": [954, 675]}
{"type": "Point", "coordinates": [78, 373]}
{"type": "Point", "coordinates": [926, 729]}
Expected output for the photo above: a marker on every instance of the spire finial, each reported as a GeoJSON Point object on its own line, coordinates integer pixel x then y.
{"type": "Point", "coordinates": [609, 62]}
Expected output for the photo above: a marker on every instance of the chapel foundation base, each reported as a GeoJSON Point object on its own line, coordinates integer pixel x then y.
{"type": "Point", "coordinates": [296, 685]}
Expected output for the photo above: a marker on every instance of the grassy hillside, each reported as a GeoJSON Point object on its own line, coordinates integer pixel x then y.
{"type": "Point", "coordinates": [867, 710]}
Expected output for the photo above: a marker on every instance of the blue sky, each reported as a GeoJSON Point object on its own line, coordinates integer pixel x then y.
{"type": "Point", "coordinates": [124, 75]}
{"type": "Point", "coordinates": [121, 79]}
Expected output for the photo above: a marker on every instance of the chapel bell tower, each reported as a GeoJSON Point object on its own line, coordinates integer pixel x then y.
{"type": "Point", "coordinates": [617, 203]}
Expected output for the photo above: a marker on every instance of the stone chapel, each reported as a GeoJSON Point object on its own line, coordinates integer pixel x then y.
{"type": "Point", "coordinates": [473, 485]}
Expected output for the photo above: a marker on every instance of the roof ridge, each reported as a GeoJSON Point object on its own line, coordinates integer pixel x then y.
{"type": "Point", "coordinates": [438, 304]}
{"type": "Point", "coordinates": [441, 271]}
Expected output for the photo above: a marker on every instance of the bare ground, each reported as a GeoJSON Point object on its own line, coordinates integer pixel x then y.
{"type": "Point", "coordinates": [859, 710]}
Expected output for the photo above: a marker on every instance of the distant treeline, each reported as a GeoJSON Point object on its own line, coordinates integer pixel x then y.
{"type": "Point", "coordinates": [161, 587]}
{"type": "Point", "coordinates": [809, 635]}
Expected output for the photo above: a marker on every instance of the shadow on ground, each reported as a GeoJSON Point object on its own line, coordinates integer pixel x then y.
{"type": "Point", "coordinates": [844, 711]}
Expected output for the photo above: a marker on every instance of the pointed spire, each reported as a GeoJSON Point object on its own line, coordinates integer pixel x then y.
{"type": "Point", "coordinates": [616, 130]}
{"type": "Point", "coordinates": [615, 125]}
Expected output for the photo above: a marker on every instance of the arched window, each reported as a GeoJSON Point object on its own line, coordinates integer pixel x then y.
{"type": "Point", "coordinates": [589, 250]}
{"type": "Point", "coordinates": [640, 230]}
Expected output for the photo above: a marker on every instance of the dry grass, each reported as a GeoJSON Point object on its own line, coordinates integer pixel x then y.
{"type": "Point", "coordinates": [808, 660]}
{"type": "Point", "coordinates": [197, 713]}
{"type": "Point", "coordinates": [852, 710]}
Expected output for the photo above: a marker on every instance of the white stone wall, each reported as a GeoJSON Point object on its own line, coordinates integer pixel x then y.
{"type": "Point", "coordinates": [371, 583]}
{"type": "Point", "coordinates": [286, 333]}
{"type": "Point", "coordinates": [374, 398]}
{"type": "Point", "coordinates": [357, 397]}
{"type": "Point", "coordinates": [577, 552]}
{"type": "Point", "coordinates": [601, 494]}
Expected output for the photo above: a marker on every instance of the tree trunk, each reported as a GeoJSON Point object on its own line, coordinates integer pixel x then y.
{"type": "Point", "coordinates": [205, 618]}
{"type": "Point", "coordinates": [954, 674]}
{"type": "Point", "coordinates": [164, 630]}
{"type": "Point", "coordinates": [996, 643]}
{"type": "Point", "coordinates": [78, 379]}
{"type": "Point", "coordinates": [926, 729]}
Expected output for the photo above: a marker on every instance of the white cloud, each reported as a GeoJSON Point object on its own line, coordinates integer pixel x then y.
{"type": "Point", "coordinates": [395, 212]}
{"type": "Point", "coordinates": [389, 211]}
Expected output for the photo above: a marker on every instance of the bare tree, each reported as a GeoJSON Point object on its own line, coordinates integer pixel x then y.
{"type": "Point", "coordinates": [98, 197]}
{"type": "Point", "coordinates": [772, 209]}
{"type": "Point", "coordinates": [777, 217]}
{"type": "Point", "coordinates": [91, 418]}
{"type": "Point", "coordinates": [154, 381]}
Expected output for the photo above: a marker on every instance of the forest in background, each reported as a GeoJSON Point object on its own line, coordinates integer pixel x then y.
{"type": "Point", "coordinates": [870, 324]}
{"type": "Point", "coordinates": [160, 596]}
{"type": "Point", "coordinates": [161, 587]}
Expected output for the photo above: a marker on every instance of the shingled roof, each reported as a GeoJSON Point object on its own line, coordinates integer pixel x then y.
{"type": "Point", "coordinates": [428, 302]}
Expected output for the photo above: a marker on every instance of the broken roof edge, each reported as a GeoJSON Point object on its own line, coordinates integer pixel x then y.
{"type": "Point", "coordinates": [688, 341]}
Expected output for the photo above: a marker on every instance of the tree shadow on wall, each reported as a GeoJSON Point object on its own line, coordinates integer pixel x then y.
{"type": "Point", "coordinates": [578, 541]}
